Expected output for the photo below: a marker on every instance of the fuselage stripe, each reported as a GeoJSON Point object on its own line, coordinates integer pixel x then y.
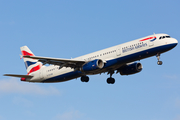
{"type": "Point", "coordinates": [154, 38]}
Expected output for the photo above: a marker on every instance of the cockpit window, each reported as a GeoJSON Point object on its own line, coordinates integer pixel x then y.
{"type": "Point", "coordinates": [162, 37]}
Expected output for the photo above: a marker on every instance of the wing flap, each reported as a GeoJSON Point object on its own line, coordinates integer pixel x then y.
{"type": "Point", "coordinates": [20, 76]}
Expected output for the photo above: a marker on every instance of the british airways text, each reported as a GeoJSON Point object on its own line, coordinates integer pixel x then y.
{"type": "Point", "coordinates": [130, 48]}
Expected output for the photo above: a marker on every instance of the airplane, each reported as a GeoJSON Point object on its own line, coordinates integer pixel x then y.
{"type": "Point", "coordinates": [120, 59]}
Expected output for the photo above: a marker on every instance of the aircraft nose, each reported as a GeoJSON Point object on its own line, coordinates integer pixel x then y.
{"type": "Point", "coordinates": [175, 42]}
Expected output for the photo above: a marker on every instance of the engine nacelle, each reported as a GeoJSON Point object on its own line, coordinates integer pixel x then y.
{"type": "Point", "coordinates": [131, 69]}
{"type": "Point", "coordinates": [93, 65]}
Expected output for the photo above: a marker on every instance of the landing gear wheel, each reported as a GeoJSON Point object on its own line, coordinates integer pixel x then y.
{"type": "Point", "coordinates": [110, 80]}
{"type": "Point", "coordinates": [85, 79]}
{"type": "Point", "coordinates": [159, 62]}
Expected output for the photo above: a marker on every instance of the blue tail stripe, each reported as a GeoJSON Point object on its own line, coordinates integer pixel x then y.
{"type": "Point", "coordinates": [28, 63]}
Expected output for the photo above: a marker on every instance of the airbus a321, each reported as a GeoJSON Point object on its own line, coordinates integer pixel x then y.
{"type": "Point", "coordinates": [120, 59]}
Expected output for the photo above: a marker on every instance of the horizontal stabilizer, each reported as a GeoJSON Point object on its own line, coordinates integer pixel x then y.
{"type": "Point", "coordinates": [20, 76]}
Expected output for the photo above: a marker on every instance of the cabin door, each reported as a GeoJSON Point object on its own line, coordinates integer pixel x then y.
{"type": "Point", "coordinates": [118, 51]}
{"type": "Point", "coordinates": [41, 74]}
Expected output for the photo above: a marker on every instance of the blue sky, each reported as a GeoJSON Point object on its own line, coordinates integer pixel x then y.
{"type": "Point", "coordinates": [68, 28]}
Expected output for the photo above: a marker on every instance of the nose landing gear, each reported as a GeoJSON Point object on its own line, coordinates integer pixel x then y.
{"type": "Point", "coordinates": [158, 57]}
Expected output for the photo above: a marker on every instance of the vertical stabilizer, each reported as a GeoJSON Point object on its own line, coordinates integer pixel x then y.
{"type": "Point", "coordinates": [32, 65]}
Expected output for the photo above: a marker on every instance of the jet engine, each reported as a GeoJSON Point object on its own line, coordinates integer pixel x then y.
{"type": "Point", "coordinates": [93, 65]}
{"type": "Point", "coordinates": [130, 69]}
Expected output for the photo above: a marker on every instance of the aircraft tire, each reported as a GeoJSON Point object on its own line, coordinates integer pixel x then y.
{"type": "Point", "coordinates": [159, 62]}
{"type": "Point", "coordinates": [110, 80]}
{"type": "Point", "coordinates": [85, 79]}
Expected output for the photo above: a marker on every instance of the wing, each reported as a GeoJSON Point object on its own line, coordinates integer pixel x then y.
{"type": "Point", "coordinates": [21, 76]}
{"type": "Point", "coordinates": [59, 61]}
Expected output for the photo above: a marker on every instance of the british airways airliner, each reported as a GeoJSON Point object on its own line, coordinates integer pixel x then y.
{"type": "Point", "coordinates": [120, 59]}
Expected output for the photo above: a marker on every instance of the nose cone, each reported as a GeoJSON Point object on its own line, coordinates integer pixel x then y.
{"type": "Point", "coordinates": [172, 43]}
{"type": "Point", "coordinates": [175, 42]}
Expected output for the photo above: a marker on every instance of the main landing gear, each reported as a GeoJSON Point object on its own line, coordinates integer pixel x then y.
{"type": "Point", "coordinates": [158, 57]}
{"type": "Point", "coordinates": [84, 78]}
{"type": "Point", "coordinates": [111, 80]}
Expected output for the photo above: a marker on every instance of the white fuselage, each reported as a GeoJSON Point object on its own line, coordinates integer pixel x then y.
{"type": "Point", "coordinates": [113, 57]}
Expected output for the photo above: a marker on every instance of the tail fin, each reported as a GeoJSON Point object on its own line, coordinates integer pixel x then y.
{"type": "Point", "coordinates": [32, 65]}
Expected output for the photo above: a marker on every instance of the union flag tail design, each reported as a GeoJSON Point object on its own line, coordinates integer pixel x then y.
{"type": "Point", "coordinates": [32, 65]}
